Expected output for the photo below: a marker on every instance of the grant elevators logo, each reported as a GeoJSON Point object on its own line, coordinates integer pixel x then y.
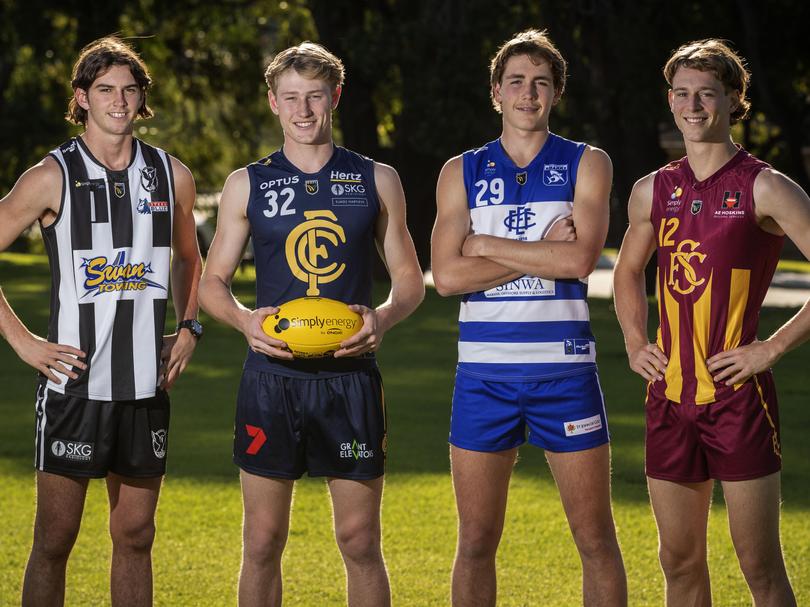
{"type": "Point", "coordinates": [307, 249]}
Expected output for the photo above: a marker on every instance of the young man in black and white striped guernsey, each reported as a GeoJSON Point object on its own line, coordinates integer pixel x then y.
{"type": "Point", "coordinates": [116, 217]}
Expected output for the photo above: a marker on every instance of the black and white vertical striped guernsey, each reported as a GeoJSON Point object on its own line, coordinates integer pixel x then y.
{"type": "Point", "coordinates": [109, 251]}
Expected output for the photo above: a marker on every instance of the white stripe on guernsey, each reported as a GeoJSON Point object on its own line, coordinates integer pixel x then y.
{"type": "Point", "coordinates": [533, 310]}
{"type": "Point", "coordinates": [67, 330]}
{"type": "Point", "coordinates": [143, 325]}
{"type": "Point", "coordinates": [490, 219]}
{"type": "Point", "coordinates": [510, 353]}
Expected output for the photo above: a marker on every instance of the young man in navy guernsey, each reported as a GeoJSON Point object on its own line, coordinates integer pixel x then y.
{"type": "Point", "coordinates": [315, 213]}
{"type": "Point", "coordinates": [116, 216]}
{"type": "Point", "coordinates": [717, 218]}
{"type": "Point", "coordinates": [505, 240]}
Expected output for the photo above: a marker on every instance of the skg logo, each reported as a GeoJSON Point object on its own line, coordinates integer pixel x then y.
{"type": "Point", "coordinates": [346, 184]}
{"type": "Point", "coordinates": [159, 443]}
{"type": "Point", "coordinates": [355, 450]}
{"type": "Point", "coordinates": [341, 189]}
{"type": "Point", "coordinates": [682, 275]}
{"type": "Point", "coordinates": [306, 247]}
{"type": "Point", "coordinates": [103, 277]}
{"type": "Point", "coordinates": [72, 450]}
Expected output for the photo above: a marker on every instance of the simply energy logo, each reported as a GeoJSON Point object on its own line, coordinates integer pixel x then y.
{"type": "Point", "coordinates": [325, 324]}
{"type": "Point", "coordinates": [355, 450]}
{"type": "Point", "coordinates": [104, 277]}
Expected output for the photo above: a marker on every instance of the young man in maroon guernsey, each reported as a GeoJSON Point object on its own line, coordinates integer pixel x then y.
{"type": "Point", "coordinates": [717, 219]}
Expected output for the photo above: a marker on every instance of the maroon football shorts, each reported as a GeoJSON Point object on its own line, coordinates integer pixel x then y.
{"type": "Point", "coordinates": [733, 439]}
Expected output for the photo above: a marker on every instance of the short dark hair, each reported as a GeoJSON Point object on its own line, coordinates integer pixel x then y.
{"type": "Point", "coordinates": [715, 56]}
{"type": "Point", "coordinates": [98, 57]}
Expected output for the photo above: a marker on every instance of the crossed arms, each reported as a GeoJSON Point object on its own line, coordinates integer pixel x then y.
{"type": "Point", "coordinates": [464, 263]}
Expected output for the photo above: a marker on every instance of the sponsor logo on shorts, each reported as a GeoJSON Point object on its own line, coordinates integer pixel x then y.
{"type": "Point", "coordinates": [355, 450]}
{"type": "Point", "coordinates": [72, 450]}
{"type": "Point", "coordinates": [583, 426]}
{"type": "Point", "coordinates": [159, 443]}
{"type": "Point", "coordinates": [259, 438]}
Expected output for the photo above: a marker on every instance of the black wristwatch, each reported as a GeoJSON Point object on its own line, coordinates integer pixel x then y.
{"type": "Point", "coordinates": [193, 325]}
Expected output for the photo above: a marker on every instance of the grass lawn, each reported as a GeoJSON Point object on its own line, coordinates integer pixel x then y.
{"type": "Point", "coordinates": [197, 552]}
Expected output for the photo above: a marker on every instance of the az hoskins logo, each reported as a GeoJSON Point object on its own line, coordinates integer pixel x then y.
{"type": "Point", "coordinates": [104, 277]}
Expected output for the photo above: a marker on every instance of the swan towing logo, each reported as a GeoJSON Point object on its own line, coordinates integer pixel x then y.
{"type": "Point", "coordinates": [104, 277]}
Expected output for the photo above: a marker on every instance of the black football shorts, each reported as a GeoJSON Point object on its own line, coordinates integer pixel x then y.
{"type": "Point", "coordinates": [332, 426]}
{"type": "Point", "coordinates": [89, 438]}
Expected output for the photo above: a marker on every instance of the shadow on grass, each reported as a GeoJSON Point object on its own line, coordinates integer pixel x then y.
{"type": "Point", "coordinates": [417, 361]}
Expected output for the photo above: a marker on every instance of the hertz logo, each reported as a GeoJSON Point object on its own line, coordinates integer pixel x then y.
{"type": "Point", "coordinates": [307, 249]}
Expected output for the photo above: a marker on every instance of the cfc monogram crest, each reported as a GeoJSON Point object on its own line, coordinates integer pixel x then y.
{"type": "Point", "coordinates": [307, 252]}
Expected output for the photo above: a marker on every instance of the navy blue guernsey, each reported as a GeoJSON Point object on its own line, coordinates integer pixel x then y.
{"type": "Point", "coordinates": [313, 235]}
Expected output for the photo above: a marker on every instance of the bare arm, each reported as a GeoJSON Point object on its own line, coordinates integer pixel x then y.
{"type": "Point", "coordinates": [224, 255]}
{"type": "Point", "coordinates": [397, 251]}
{"type": "Point", "coordinates": [453, 271]}
{"type": "Point", "coordinates": [186, 268]}
{"type": "Point", "coordinates": [36, 195]}
{"type": "Point", "coordinates": [554, 259]}
{"type": "Point", "coordinates": [781, 204]}
{"type": "Point", "coordinates": [629, 290]}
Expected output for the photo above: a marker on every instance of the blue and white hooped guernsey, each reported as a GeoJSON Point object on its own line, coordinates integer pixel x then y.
{"type": "Point", "coordinates": [531, 328]}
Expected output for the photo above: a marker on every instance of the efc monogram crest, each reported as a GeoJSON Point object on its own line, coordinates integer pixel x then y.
{"type": "Point", "coordinates": [311, 186]}
{"type": "Point", "coordinates": [307, 251]}
{"type": "Point", "coordinates": [120, 189]}
{"type": "Point", "coordinates": [521, 178]}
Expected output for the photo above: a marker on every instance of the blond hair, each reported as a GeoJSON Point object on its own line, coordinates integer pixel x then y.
{"type": "Point", "coordinates": [309, 60]}
{"type": "Point", "coordinates": [715, 56]}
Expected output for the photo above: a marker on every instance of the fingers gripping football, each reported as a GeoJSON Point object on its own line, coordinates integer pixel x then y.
{"type": "Point", "coordinates": [259, 341]}
{"type": "Point", "coordinates": [368, 339]}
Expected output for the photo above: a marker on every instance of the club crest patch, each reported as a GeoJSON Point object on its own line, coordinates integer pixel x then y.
{"type": "Point", "coordinates": [555, 174]}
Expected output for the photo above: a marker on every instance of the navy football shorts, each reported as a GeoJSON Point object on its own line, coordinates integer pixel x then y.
{"type": "Point", "coordinates": [332, 426]}
{"type": "Point", "coordinates": [89, 438]}
{"type": "Point", "coordinates": [560, 415]}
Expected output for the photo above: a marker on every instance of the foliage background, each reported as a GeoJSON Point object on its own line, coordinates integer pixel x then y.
{"type": "Point", "coordinates": [417, 78]}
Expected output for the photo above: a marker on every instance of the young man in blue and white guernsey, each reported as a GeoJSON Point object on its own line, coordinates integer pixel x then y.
{"type": "Point", "coordinates": [315, 212]}
{"type": "Point", "coordinates": [505, 239]}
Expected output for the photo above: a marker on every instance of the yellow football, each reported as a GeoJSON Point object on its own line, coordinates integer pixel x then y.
{"type": "Point", "coordinates": [313, 326]}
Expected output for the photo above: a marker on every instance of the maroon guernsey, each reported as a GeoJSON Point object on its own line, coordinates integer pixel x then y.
{"type": "Point", "coordinates": [714, 267]}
